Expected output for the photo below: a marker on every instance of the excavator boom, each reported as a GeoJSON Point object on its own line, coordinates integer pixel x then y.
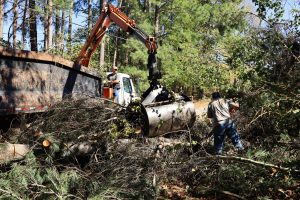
{"type": "Point", "coordinates": [111, 14]}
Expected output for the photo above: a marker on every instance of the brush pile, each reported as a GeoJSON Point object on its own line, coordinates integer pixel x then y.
{"type": "Point", "coordinates": [78, 126]}
{"type": "Point", "coordinates": [88, 149]}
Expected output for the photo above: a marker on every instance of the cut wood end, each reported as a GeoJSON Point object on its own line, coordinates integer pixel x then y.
{"type": "Point", "coordinates": [138, 130]}
{"type": "Point", "coordinates": [46, 143]}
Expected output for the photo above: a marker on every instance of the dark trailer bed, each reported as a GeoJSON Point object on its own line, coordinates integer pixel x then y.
{"type": "Point", "coordinates": [31, 82]}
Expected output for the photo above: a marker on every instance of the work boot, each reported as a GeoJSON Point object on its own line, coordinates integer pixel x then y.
{"type": "Point", "coordinates": [239, 146]}
{"type": "Point", "coordinates": [218, 152]}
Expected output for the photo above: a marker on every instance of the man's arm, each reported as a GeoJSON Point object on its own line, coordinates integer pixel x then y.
{"type": "Point", "coordinates": [233, 104]}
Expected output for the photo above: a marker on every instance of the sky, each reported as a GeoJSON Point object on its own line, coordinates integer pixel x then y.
{"type": "Point", "coordinates": [288, 6]}
{"type": "Point", "coordinates": [80, 19]}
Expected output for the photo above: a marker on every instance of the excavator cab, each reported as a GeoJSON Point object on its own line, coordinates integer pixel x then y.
{"type": "Point", "coordinates": [163, 111]}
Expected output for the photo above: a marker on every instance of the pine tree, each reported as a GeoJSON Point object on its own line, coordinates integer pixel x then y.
{"type": "Point", "coordinates": [15, 23]}
{"type": "Point", "coordinates": [32, 26]}
{"type": "Point", "coordinates": [1, 18]}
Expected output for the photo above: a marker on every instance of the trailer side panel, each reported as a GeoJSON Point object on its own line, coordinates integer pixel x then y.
{"type": "Point", "coordinates": [28, 85]}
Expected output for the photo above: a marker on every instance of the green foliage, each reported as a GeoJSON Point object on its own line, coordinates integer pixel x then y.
{"type": "Point", "coordinates": [267, 62]}
{"type": "Point", "coordinates": [193, 49]}
{"type": "Point", "coordinates": [257, 182]}
{"type": "Point", "coordinates": [139, 76]}
{"type": "Point", "coordinates": [29, 180]}
{"type": "Point", "coordinates": [258, 154]}
{"type": "Point", "coordinates": [265, 7]}
{"type": "Point", "coordinates": [121, 129]}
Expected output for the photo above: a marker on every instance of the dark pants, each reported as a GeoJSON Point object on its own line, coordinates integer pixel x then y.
{"type": "Point", "coordinates": [221, 130]}
{"type": "Point", "coordinates": [116, 95]}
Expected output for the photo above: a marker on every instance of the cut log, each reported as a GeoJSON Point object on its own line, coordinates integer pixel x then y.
{"type": "Point", "coordinates": [12, 152]}
{"type": "Point", "coordinates": [78, 149]}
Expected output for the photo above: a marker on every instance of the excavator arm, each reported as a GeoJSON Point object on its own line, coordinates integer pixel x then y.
{"type": "Point", "coordinates": [157, 104]}
{"type": "Point", "coordinates": [111, 14]}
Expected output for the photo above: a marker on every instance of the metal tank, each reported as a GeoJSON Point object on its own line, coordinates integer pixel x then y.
{"type": "Point", "coordinates": [168, 116]}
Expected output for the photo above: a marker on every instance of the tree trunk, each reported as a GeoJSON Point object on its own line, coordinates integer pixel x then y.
{"type": "Point", "coordinates": [145, 5]}
{"type": "Point", "coordinates": [46, 11]}
{"type": "Point", "coordinates": [120, 3]}
{"type": "Point", "coordinates": [156, 20]}
{"type": "Point", "coordinates": [62, 32]}
{"type": "Point", "coordinates": [32, 26]}
{"type": "Point", "coordinates": [15, 23]}
{"type": "Point", "coordinates": [1, 19]}
{"type": "Point", "coordinates": [50, 24]}
{"type": "Point", "coordinates": [102, 46]}
{"type": "Point", "coordinates": [70, 27]}
{"type": "Point", "coordinates": [149, 6]}
{"type": "Point", "coordinates": [57, 25]}
{"type": "Point", "coordinates": [115, 52]}
{"type": "Point", "coordinates": [90, 16]}
{"type": "Point", "coordinates": [126, 61]}
{"type": "Point", "coordinates": [24, 24]}
{"type": "Point", "coordinates": [62, 27]}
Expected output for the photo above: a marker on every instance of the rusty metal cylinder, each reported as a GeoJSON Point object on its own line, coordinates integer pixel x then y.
{"type": "Point", "coordinates": [161, 119]}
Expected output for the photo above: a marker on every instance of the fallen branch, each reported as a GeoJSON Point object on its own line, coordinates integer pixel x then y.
{"type": "Point", "coordinates": [212, 191]}
{"type": "Point", "coordinates": [247, 160]}
{"type": "Point", "coordinates": [231, 194]}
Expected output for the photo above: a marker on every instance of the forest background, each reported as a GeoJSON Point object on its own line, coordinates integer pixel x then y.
{"type": "Point", "coordinates": [248, 50]}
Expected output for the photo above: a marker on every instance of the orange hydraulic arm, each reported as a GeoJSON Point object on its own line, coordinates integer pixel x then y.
{"type": "Point", "coordinates": [111, 14]}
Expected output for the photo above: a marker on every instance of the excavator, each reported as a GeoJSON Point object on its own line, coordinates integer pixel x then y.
{"type": "Point", "coordinates": [163, 111]}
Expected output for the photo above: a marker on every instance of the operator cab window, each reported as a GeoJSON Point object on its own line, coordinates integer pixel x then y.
{"type": "Point", "coordinates": [127, 85]}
